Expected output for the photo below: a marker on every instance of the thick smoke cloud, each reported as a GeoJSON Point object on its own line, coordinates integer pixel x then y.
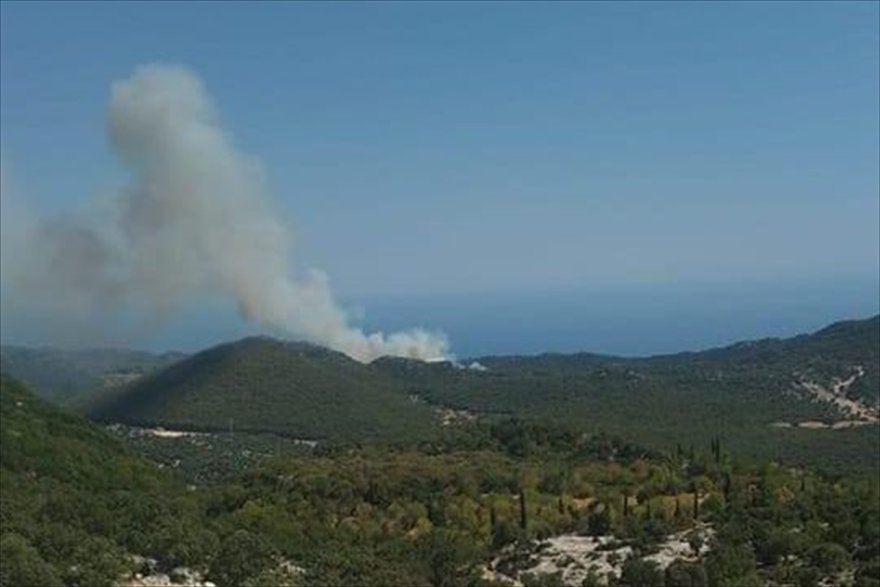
{"type": "Point", "coordinates": [196, 220]}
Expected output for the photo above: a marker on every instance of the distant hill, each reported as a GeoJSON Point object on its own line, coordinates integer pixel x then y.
{"type": "Point", "coordinates": [830, 352]}
{"type": "Point", "coordinates": [61, 374]}
{"type": "Point", "coordinates": [765, 398]}
{"type": "Point", "coordinates": [758, 394]}
{"type": "Point", "coordinates": [262, 384]}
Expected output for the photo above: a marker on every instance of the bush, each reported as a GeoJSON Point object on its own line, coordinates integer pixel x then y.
{"type": "Point", "coordinates": [543, 579]}
{"type": "Point", "coordinates": [599, 522]}
{"type": "Point", "coordinates": [868, 575]}
{"type": "Point", "coordinates": [684, 574]}
{"type": "Point", "coordinates": [21, 564]}
{"type": "Point", "coordinates": [829, 557]}
{"type": "Point", "coordinates": [731, 565]}
{"type": "Point", "coordinates": [241, 557]}
{"type": "Point", "coordinates": [807, 576]}
{"type": "Point", "coordinates": [639, 573]}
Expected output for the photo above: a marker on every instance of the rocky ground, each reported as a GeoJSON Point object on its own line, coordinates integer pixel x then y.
{"type": "Point", "coordinates": [573, 557]}
{"type": "Point", "coordinates": [853, 412]}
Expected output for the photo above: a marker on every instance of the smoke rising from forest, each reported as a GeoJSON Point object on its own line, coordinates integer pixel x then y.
{"type": "Point", "coordinates": [197, 219]}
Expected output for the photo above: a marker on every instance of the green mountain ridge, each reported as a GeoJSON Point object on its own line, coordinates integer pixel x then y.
{"type": "Point", "coordinates": [263, 384]}
{"type": "Point", "coordinates": [739, 391]}
{"type": "Point", "coordinates": [665, 401]}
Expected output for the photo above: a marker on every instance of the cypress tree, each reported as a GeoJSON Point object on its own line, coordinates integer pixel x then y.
{"type": "Point", "coordinates": [437, 513]}
{"type": "Point", "coordinates": [522, 509]}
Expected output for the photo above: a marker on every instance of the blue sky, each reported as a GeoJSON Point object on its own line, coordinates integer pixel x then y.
{"type": "Point", "coordinates": [529, 151]}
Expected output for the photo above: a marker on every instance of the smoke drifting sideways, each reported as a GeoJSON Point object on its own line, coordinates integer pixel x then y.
{"type": "Point", "coordinates": [196, 220]}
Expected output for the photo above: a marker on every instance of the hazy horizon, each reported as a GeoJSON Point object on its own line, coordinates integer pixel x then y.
{"type": "Point", "coordinates": [623, 322]}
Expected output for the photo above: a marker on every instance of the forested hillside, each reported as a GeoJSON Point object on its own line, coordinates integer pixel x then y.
{"type": "Point", "coordinates": [746, 392]}
{"type": "Point", "coordinates": [75, 501]}
{"type": "Point", "coordinates": [768, 399]}
{"type": "Point", "coordinates": [261, 384]}
{"type": "Point", "coordinates": [483, 505]}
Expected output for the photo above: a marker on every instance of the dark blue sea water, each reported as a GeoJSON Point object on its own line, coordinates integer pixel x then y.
{"type": "Point", "coordinates": [628, 321]}
{"type": "Point", "coordinates": [623, 321]}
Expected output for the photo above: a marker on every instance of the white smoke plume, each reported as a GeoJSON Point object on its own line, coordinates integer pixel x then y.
{"type": "Point", "coordinates": [196, 220]}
